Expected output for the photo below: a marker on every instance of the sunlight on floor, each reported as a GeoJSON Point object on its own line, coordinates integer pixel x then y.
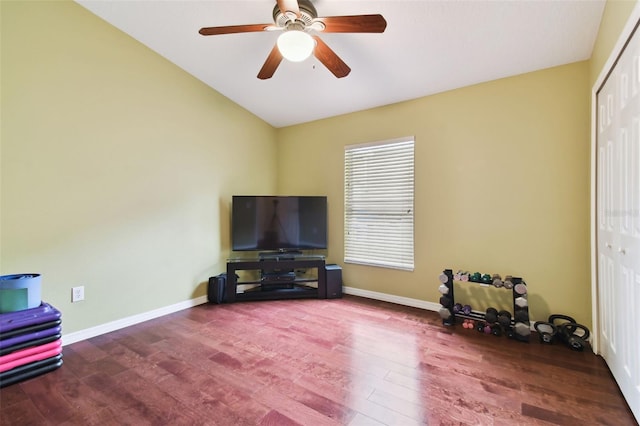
{"type": "Point", "coordinates": [385, 365]}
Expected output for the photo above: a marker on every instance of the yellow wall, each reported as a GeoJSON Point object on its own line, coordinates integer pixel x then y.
{"type": "Point", "coordinates": [615, 16]}
{"type": "Point", "coordinates": [502, 185]}
{"type": "Point", "coordinates": [117, 167]}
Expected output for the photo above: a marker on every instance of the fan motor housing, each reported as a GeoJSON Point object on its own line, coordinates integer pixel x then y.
{"type": "Point", "coordinates": [307, 14]}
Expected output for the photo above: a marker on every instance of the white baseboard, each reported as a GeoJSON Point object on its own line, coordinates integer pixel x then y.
{"type": "Point", "coordinates": [406, 301]}
{"type": "Point", "coordinates": [88, 333]}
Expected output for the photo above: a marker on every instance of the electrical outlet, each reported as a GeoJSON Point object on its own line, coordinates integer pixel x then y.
{"type": "Point", "coordinates": [77, 294]}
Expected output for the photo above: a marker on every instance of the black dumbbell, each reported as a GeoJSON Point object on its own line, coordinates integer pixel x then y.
{"type": "Point", "coordinates": [504, 319]}
{"type": "Point", "coordinates": [491, 315]}
{"type": "Point", "coordinates": [521, 315]}
{"type": "Point", "coordinates": [446, 301]}
{"type": "Point", "coordinates": [496, 330]}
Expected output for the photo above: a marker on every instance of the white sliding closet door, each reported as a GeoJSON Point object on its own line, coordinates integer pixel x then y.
{"type": "Point", "coordinates": [618, 220]}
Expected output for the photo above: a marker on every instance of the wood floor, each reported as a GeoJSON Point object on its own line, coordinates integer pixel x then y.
{"type": "Point", "coordinates": [349, 361]}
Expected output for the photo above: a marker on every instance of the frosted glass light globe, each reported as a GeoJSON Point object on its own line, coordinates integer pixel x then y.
{"type": "Point", "coordinates": [296, 46]}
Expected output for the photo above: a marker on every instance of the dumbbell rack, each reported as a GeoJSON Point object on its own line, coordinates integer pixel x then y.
{"type": "Point", "coordinates": [449, 302]}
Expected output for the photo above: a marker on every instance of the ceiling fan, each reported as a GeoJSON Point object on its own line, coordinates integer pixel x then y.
{"type": "Point", "coordinates": [299, 21]}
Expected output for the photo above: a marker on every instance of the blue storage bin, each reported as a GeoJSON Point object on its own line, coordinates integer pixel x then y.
{"type": "Point", "coordinates": [20, 291]}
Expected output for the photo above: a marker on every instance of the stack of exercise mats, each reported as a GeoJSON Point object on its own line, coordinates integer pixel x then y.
{"type": "Point", "coordinates": [30, 330]}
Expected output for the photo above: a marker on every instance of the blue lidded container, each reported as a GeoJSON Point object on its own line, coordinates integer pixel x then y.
{"type": "Point", "coordinates": [20, 291]}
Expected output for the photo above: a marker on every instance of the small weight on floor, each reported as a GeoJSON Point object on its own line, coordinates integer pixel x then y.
{"type": "Point", "coordinates": [496, 330]}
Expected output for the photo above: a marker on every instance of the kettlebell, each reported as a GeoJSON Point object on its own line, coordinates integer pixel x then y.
{"type": "Point", "coordinates": [546, 331]}
{"type": "Point", "coordinates": [553, 319]}
{"type": "Point", "coordinates": [574, 341]}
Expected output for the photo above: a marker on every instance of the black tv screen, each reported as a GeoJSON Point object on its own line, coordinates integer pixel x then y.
{"type": "Point", "coordinates": [261, 222]}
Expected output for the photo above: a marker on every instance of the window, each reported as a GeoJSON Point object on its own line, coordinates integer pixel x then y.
{"type": "Point", "coordinates": [378, 204]}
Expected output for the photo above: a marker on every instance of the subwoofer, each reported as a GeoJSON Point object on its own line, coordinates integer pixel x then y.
{"type": "Point", "coordinates": [334, 281]}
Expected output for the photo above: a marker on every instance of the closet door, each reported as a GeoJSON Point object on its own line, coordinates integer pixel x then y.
{"type": "Point", "coordinates": [618, 221]}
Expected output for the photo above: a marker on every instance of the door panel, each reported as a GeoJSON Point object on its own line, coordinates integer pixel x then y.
{"type": "Point", "coordinates": [618, 222]}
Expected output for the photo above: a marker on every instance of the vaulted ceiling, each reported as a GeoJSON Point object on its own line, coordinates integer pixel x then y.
{"type": "Point", "coordinates": [428, 47]}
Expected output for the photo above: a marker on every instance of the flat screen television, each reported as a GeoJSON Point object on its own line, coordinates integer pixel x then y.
{"type": "Point", "coordinates": [278, 223]}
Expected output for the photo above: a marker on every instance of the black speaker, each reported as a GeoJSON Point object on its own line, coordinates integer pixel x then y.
{"type": "Point", "coordinates": [334, 281]}
{"type": "Point", "coordinates": [216, 287]}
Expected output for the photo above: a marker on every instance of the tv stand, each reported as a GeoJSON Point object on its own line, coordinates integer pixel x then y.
{"type": "Point", "coordinates": [279, 255]}
{"type": "Point", "coordinates": [278, 279]}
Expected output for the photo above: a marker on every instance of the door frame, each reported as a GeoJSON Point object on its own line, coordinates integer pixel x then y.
{"type": "Point", "coordinates": [625, 35]}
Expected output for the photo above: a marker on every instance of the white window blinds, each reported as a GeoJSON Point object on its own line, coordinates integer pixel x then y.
{"type": "Point", "coordinates": [378, 204]}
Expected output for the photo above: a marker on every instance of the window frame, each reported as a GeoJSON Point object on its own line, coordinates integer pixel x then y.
{"type": "Point", "coordinates": [376, 232]}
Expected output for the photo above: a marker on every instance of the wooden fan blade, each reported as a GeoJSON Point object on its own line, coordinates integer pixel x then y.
{"type": "Point", "coordinates": [290, 6]}
{"type": "Point", "coordinates": [271, 64]}
{"type": "Point", "coordinates": [353, 24]}
{"type": "Point", "coordinates": [329, 59]}
{"type": "Point", "coordinates": [233, 29]}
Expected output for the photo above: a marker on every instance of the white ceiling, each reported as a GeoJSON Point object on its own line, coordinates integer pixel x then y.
{"type": "Point", "coordinates": [428, 47]}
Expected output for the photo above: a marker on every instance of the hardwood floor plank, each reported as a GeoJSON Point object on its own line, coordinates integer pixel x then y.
{"type": "Point", "coordinates": [20, 413]}
{"type": "Point", "coordinates": [349, 361]}
{"type": "Point", "coordinates": [274, 418]}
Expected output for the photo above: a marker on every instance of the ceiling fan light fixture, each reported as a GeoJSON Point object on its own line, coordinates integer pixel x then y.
{"type": "Point", "coordinates": [295, 45]}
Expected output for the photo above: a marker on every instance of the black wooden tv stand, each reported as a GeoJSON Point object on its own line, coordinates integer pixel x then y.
{"type": "Point", "coordinates": [277, 278]}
